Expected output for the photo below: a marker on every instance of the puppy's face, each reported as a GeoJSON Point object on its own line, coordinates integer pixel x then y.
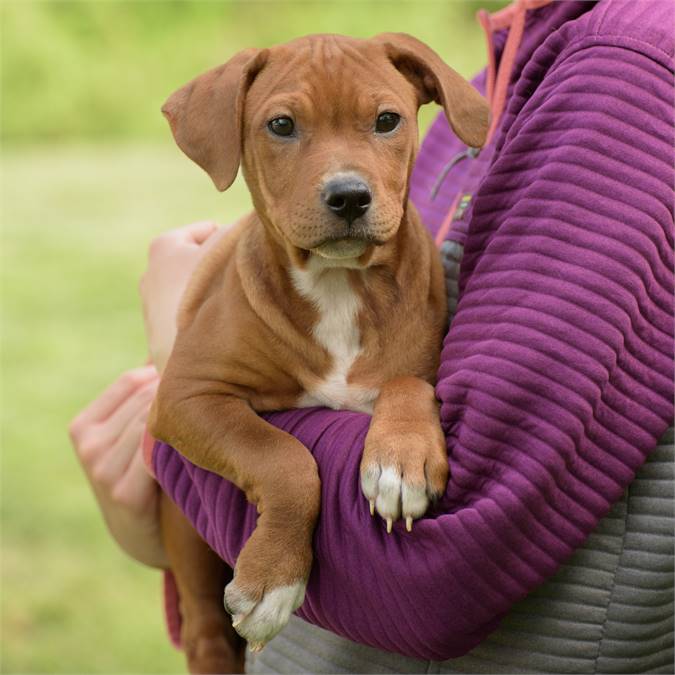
{"type": "Point", "coordinates": [330, 132]}
{"type": "Point", "coordinates": [325, 128]}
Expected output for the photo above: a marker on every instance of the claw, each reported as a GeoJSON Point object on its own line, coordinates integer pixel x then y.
{"type": "Point", "coordinates": [236, 621]}
{"type": "Point", "coordinates": [256, 647]}
{"type": "Point", "coordinates": [408, 523]}
{"type": "Point", "coordinates": [372, 507]}
{"type": "Point", "coordinates": [389, 523]}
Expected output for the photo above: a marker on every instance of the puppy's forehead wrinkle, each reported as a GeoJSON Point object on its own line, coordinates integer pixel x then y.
{"type": "Point", "coordinates": [356, 54]}
{"type": "Point", "coordinates": [281, 69]}
{"type": "Point", "coordinates": [302, 67]}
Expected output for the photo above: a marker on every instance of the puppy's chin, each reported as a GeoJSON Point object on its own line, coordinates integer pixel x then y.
{"type": "Point", "coordinates": [342, 249]}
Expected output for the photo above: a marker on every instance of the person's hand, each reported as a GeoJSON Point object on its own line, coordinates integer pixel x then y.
{"type": "Point", "coordinates": [107, 436]}
{"type": "Point", "coordinates": [172, 257]}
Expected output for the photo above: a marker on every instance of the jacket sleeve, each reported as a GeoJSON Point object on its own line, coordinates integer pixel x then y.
{"type": "Point", "coordinates": [556, 378]}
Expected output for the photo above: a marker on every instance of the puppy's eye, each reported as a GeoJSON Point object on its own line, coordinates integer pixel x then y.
{"type": "Point", "coordinates": [386, 121]}
{"type": "Point", "coordinates": [281, 126]}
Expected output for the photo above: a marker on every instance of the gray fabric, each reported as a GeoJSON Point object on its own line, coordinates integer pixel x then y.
{"type": "Point", "coordinates": [451, 257]}
{"type": "Point", "coordinates": [608, 610]}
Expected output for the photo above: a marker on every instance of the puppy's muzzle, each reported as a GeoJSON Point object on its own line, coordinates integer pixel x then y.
{"type": "Point", "coordinates": [348, 198]}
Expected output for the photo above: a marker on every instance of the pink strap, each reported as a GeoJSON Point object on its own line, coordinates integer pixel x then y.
{"type": "Point", "coordinates": [447, 221]}
{"type": "Point", "coordinates": [484, 20]}
{"type": "Point", "coordinates": [504, 17]}
{"type": "Point", "coordinates": [497, 82]}
{"type": "Point", "coordinates": [512, 17]}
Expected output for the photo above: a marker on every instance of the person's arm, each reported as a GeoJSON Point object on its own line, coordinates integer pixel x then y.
{"type": "Point", "coordinates": [172, 257]}
{"type": "Point", "coordinates": [107, 437]}
{"type": "Point", "coordinates": [107, 434]}
{"type": "Point", "coordinates": [555, 383]}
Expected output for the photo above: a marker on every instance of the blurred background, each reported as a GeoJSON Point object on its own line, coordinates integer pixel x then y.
{"type": "Point", "coordinates": [90, 174]}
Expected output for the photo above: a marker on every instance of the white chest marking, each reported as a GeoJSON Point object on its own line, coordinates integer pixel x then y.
{"type": "Point", "coordinates": [337, 330]}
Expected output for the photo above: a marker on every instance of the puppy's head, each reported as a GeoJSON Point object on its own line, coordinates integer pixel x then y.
{"type": "Point", "coordinates": [325, 128]}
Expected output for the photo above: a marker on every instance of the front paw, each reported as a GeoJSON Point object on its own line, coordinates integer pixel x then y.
{"type": "Point", "coordinates": [258, 618]}
{"type": "Point", "coordinates": [403, 471]}
{"type": "Point", "coordinates": [269, 584]}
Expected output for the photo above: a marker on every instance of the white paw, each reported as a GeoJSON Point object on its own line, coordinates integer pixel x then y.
{"type": "Point", "coordinates": [258, 622]}
{"type": "Point", "coordinates": [392, 496]}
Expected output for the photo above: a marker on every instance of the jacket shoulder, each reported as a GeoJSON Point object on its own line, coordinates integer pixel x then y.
{"type": "Point", "coordinates": [644, 26]}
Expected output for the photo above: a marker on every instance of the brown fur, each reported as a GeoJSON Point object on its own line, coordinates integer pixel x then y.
{"type": "Point", "coordinates": [245, 341]}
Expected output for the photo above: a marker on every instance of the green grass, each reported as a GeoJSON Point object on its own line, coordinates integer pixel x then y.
{"type": "Point", "coordinates": [76, 220]}
{"type": "Point", "coordinates": [76, 223]}
{"type": "Point", "coordinates": [88, 69]}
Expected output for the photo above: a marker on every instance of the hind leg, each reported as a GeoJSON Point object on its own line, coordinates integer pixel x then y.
{"type": "Point", "coordinates": [211, 645]}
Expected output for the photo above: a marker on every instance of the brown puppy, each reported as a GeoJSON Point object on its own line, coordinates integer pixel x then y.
{"type": "Point", "coordinates": [331, 293]}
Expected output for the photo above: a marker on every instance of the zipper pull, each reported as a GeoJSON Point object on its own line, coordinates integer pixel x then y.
{"type": "Point", "coordinates": [471, 153]}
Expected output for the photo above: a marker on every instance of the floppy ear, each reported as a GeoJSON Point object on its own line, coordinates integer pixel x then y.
{"type": "Point", "coordinates": [206, 115]}
{"type": "Point", "coordinates": [466, 110]}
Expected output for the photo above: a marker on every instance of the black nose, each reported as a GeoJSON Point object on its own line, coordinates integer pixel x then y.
{"type": "Point", "coordinates": [347, 198]}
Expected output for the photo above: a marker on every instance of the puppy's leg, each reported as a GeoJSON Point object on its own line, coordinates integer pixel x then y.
{"type": "Point", "coordinates": [210, 643]}
{"type": "Point", "coordinates": [404, 464]}
{"type": "Point", "coordinates": [222, 433]}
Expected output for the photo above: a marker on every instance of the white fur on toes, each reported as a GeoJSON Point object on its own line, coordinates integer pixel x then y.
{"type": "Point", "coordinates": [414, 500]}
{"type": "Point", "coordinates": [259, 622]}
{"type": "Point", "coordinates": [392, 496]}
{"type": "Point", "coordinates": [388, 500]}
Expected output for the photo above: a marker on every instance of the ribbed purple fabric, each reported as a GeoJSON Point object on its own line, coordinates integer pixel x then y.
{"type": "Point", "coordinates": [557, 374]}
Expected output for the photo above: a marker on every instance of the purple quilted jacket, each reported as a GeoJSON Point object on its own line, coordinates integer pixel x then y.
{"type": "Point", "coordinates": [557, 373]}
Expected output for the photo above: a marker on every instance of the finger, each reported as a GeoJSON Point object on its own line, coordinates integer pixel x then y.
{"type": "Point", "coordinates": [105, 403]}
{"type": "Point", "coordinates": [220, 232]}
{"type": "Point", "coordinates": [115, 462]}
{"type": "Point", "coordinates": [137, 488]}
{"type": "Point", "coordinates": [109, 431]}
{"type": "Point", "coordinates": [199, 232]}
{"type": "Point", "coordinates": [214, 239]}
